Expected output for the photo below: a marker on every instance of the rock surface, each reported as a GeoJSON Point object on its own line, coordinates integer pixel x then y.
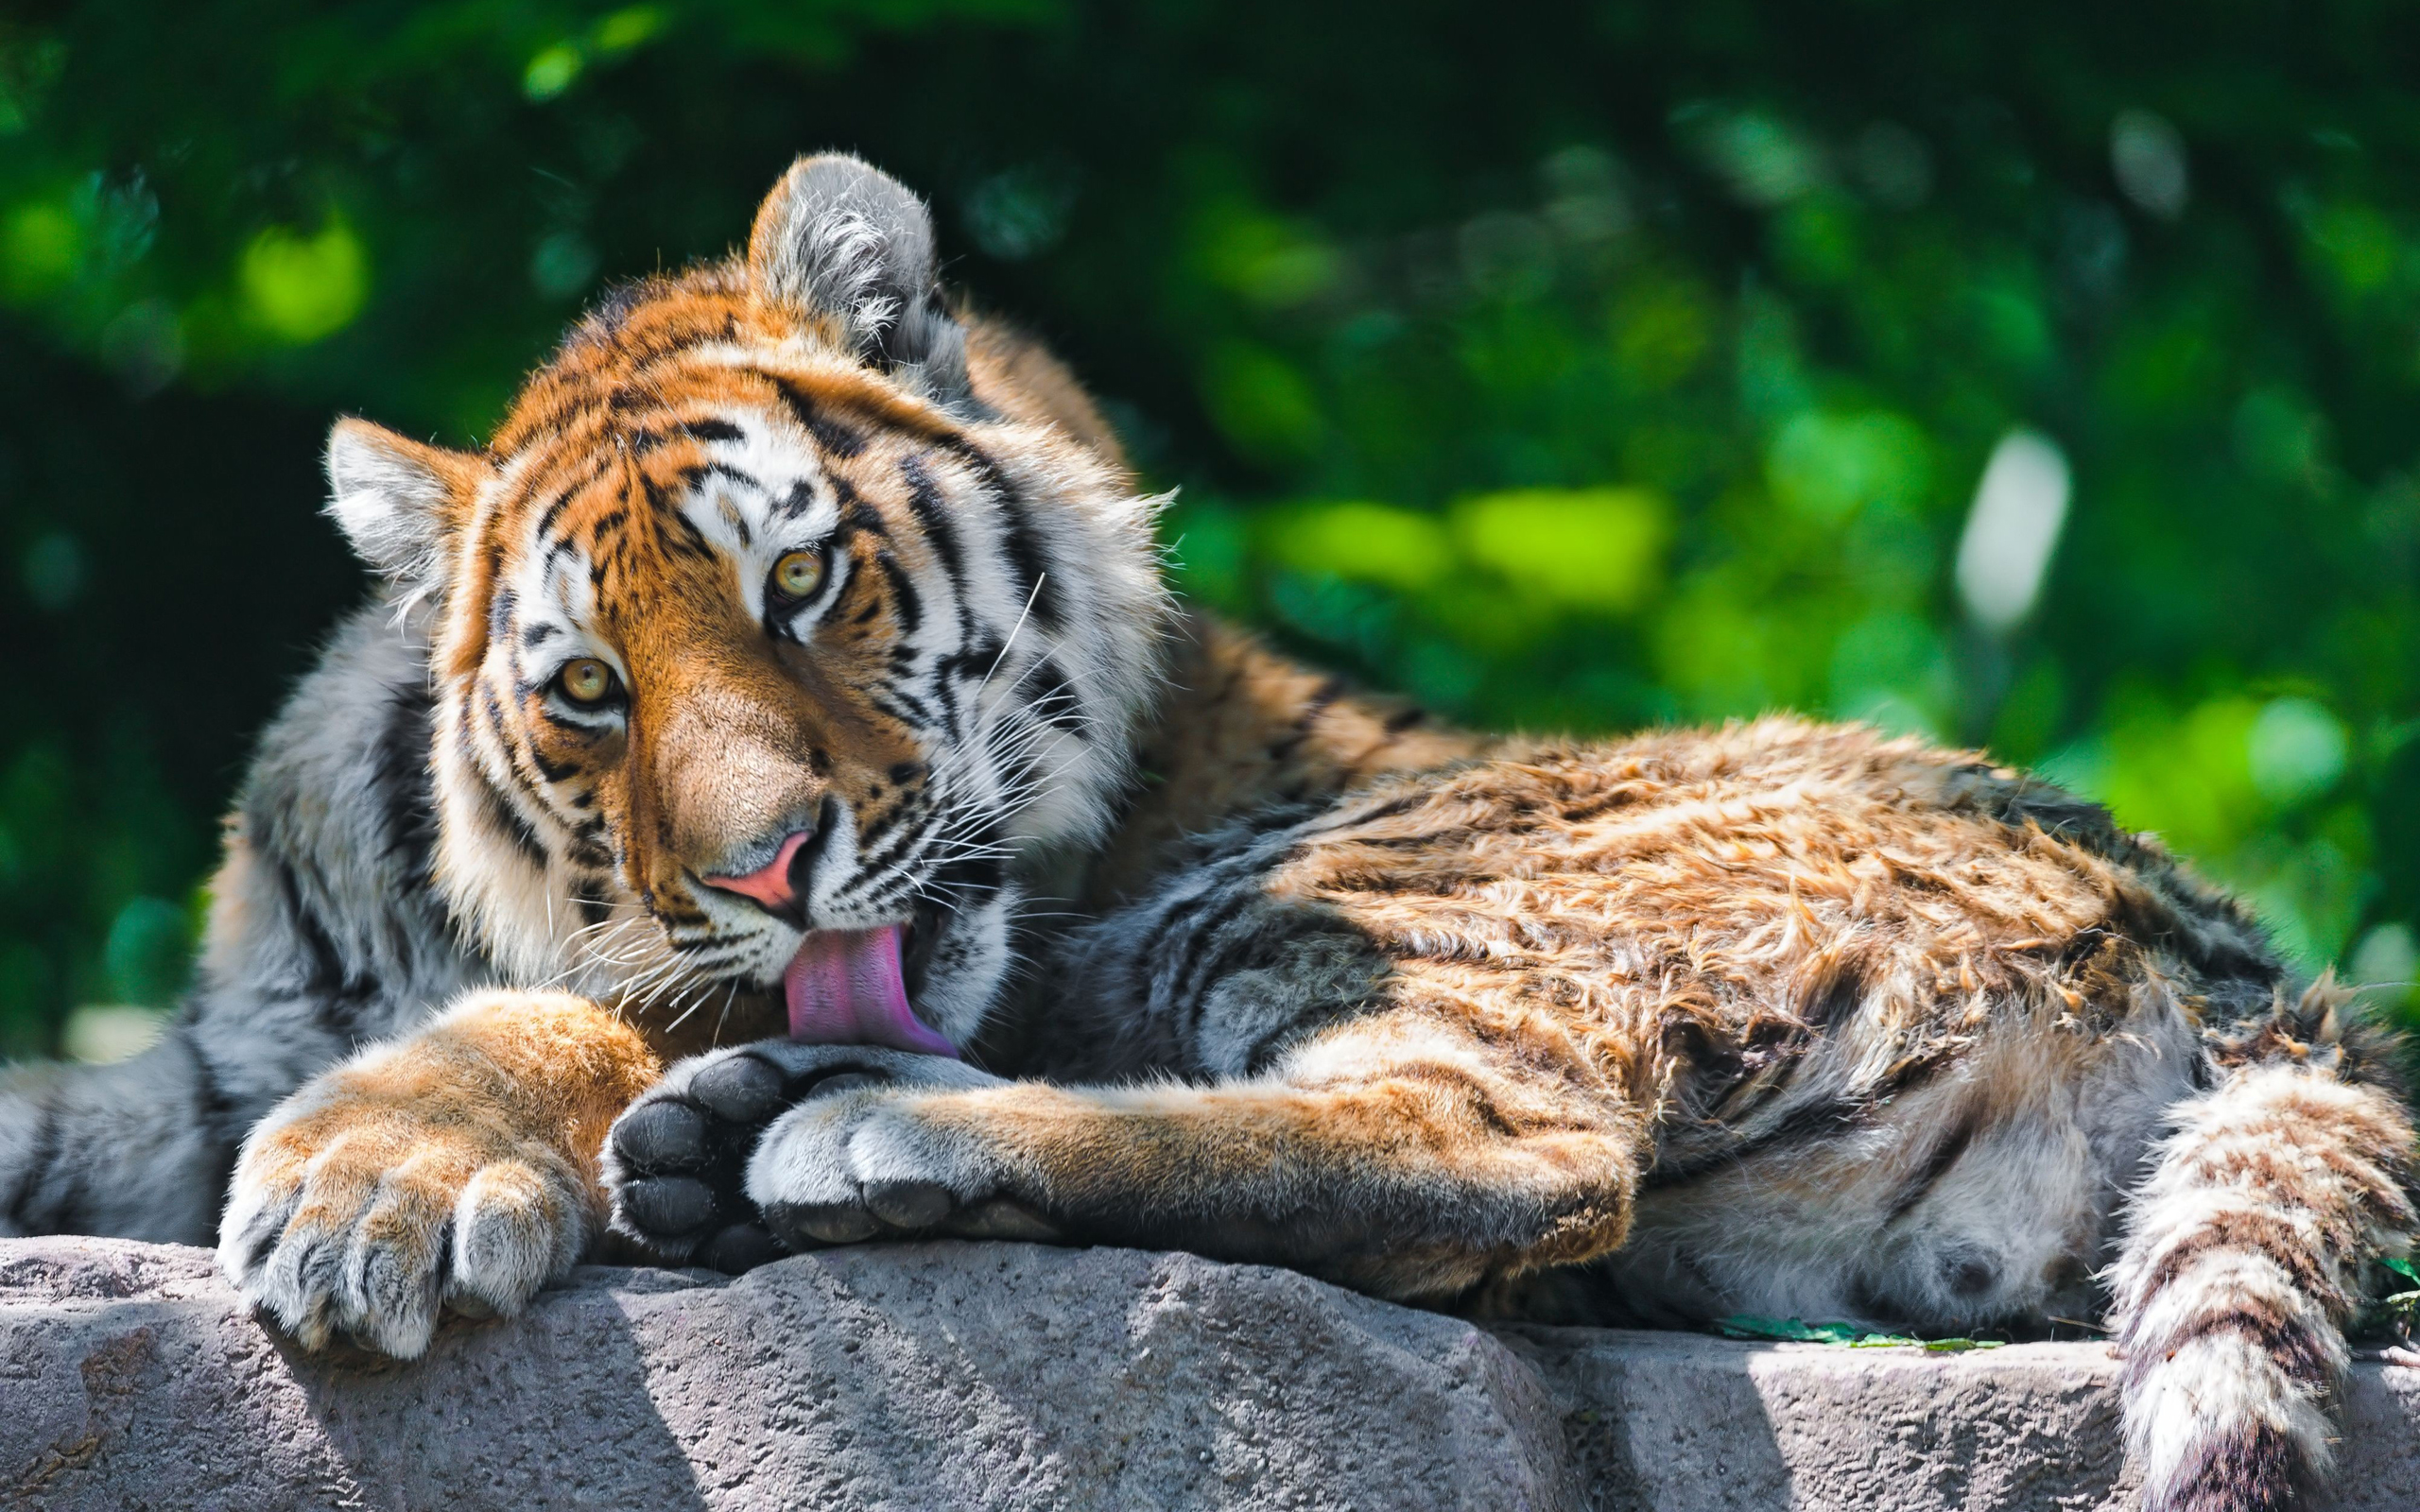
{"type": "Point", "coordinates": [1012, 1376]}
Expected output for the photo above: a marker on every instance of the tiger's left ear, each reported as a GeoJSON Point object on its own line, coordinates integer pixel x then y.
{"type": "Point", "coordinates": [399, 502]}
{"type": "Point", "coordinates": [840, 240]}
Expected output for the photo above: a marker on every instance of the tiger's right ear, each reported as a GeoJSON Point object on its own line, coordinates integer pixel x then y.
{"type": "Point", "coordinates": [842, 241]}
{"type": "Point", "coordinates": [398, 501]}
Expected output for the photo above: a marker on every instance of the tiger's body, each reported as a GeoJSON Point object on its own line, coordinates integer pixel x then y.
{"type": "Point", "coordinates": [796, 648]}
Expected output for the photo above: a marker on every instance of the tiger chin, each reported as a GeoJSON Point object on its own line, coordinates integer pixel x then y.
{"type": "Point", "coordinates": [774, 802]}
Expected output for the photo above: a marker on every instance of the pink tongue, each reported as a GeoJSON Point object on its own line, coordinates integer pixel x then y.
{"type": "Point", "coordinates": [844, 988]}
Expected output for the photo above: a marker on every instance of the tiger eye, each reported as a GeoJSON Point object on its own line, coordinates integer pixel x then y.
{"type": "Point", "coordinates": [587, 680]}
{"type": "Point", "coordinates": [798, 573]}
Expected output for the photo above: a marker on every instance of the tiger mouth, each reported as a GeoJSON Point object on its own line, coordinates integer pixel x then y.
{"type": "Point", "coordinates": [850, 987]}
{"type": "Point", "coordinates": [920, 937]}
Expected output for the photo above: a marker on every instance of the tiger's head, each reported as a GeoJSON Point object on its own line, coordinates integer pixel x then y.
{"type": "Point", "coordinates": [786, 629]}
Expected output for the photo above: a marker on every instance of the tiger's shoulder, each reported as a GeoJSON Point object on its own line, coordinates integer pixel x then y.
{"type": "Point", "coordinates": [1242, 730]}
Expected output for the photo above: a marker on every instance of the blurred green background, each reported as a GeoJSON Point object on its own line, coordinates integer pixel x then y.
{"type": "Point", "coordinates": [2045, 379]}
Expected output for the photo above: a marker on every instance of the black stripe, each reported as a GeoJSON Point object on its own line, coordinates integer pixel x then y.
{"type": "Point", "coordinates": [1834, 999]}
{"type": "Point", "coordinates": [563, 547]}
{"type": "Point", "coordinates": [1278, 1036]}
{"type": "Point", "coordinates": [500, 813]}
{"type": "Point", "coordinates": [835, 437]}
{"type": "Point", "coordinates": [333, 989]}
{"type": "Point", "coordinates": [692, 476]}
{"type": "Point", "coordinates": [213, 1112]}
{"type": "Point", "coordinates": [213, 1103]}
{"type": "Point", "coordinates": [1822, 1120]}
{"type": "Point", "coordinates": [796, 500]}
{"type": "Point", "coordinates": [493, 711]}
{"type": "Point", "coordinates": [1200, 957]}
{"type": "Point", "coordinates": [1443, 840]}
{"type": "Point", "coordinates": [1308, 718]}
{"type": "Point", "coordinates": [582, 730]}
{"type": "Point", "coordinates": [905, 605]}
{"type": "Point", "coordinates": [687, 540]}
{"type": "Point", "coordinates": [554, 511]}
{"type": "Point", "coordinates": [1057, 701]}
{"type": "Point", "coordinates": [41, 1152]}
{"type": "Point", "coordinates": [1937, 1164]}
{"type": "Point", "coordinates": [855, 514]}
{"type": "Point", "coordinates": [1178, 917]}
{"type": "Point", "coordinates": [406, 787]}
{"type": "Point", "coordinates": [903, 705]}
{"type": "Point", "coordinates": [973, 664]}
{"type": "Point", "coordinates": [878, 825]}
{"type": "Point", "coordinates": [925, 503]}
{"type": "Point", "coordinates": [984, 871]}
{"type": "Point", "coordinates": [1391, 808]}
{"type": "Point", "coordinates": [500, 609]}
{"type": "Point", "coordinates": [908, 834]}
{"type": "Point", "coordinates": [324, 973]}
{"type": "Point", "coordinates": [1024, 547]}
{"type": "Point", "coordinates": [2297, 1353]}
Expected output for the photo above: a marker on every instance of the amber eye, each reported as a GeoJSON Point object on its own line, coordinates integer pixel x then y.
{"type": "Point", "coordinates": [799, 573]}
{"type": "Point", "coordinates": [586, 680]}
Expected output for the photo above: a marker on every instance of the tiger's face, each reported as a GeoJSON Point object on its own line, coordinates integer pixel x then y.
{"type": "Point", "coordinates": [779, 641]}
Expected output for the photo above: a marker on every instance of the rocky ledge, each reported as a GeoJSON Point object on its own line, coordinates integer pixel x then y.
{"type": "Point", "coordinates": [953, 1375]}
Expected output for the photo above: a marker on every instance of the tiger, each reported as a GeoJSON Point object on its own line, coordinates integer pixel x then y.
{"type": "Point", "coordinates": [774, 799]}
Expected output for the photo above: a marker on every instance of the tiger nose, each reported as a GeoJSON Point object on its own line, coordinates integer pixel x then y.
{"type": "Point", "coordinates": [770, 883]}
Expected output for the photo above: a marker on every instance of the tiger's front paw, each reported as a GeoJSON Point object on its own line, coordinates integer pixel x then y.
{"type": "Point", "coordinates": [364, 1204]}
{"type": "Point", "coordinates": [743, 1152]}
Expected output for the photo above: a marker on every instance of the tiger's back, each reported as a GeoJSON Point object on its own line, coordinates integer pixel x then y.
{"type": "Point", "coordinates": [1910, 1041]}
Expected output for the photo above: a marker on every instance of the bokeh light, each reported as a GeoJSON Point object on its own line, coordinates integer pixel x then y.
{"type": "Point", "coordinates": [2037, 379]}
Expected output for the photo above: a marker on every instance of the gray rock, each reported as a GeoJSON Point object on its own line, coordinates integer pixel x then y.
{"type": "Point", "coordinates": [952, 1375]}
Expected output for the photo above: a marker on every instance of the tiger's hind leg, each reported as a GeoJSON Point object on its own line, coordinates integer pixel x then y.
{"type": "Point", "coordinates": [1392, 1154]}
{"type": "Point", "coordinates": [138, 1149]}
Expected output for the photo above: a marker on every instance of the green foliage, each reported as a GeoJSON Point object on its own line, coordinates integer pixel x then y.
{"type": "Point", "coordinates": [1791, 1331]}
{"type": "Point", "coordinates": [2395, 1314]}
{"type": "Point", "coordinates": [1611, 364]}
{"type": "Point", "coordinates": [298, 288]}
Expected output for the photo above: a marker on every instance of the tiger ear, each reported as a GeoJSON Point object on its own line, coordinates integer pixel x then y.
{"type": "Point", "coordinates": [842, 241]}
{"type": "Point", "coordinates": [398, 501]}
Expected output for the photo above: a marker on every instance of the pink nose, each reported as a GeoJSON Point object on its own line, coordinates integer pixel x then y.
{"type": "Point", "coordinates": [769, 885]}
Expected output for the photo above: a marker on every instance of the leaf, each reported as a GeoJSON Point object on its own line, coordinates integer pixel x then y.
{"type": "Point", "coordinates": [1792, 1330]}
{"type": "Point", "coordinates": [2401, 1268]}
{"type": "Point", "coordinates": [1592, 548]}
{"type": "Point", "coordinates": [1785, 1329]}
{"type": "Point", "coordinates": [1369, 542]}
{"type": "Point", "coordinates": [1961, 1346]}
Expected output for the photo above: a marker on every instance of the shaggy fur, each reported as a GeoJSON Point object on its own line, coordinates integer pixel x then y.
{"type": "Point", "coordinates": [1779, 1019]}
